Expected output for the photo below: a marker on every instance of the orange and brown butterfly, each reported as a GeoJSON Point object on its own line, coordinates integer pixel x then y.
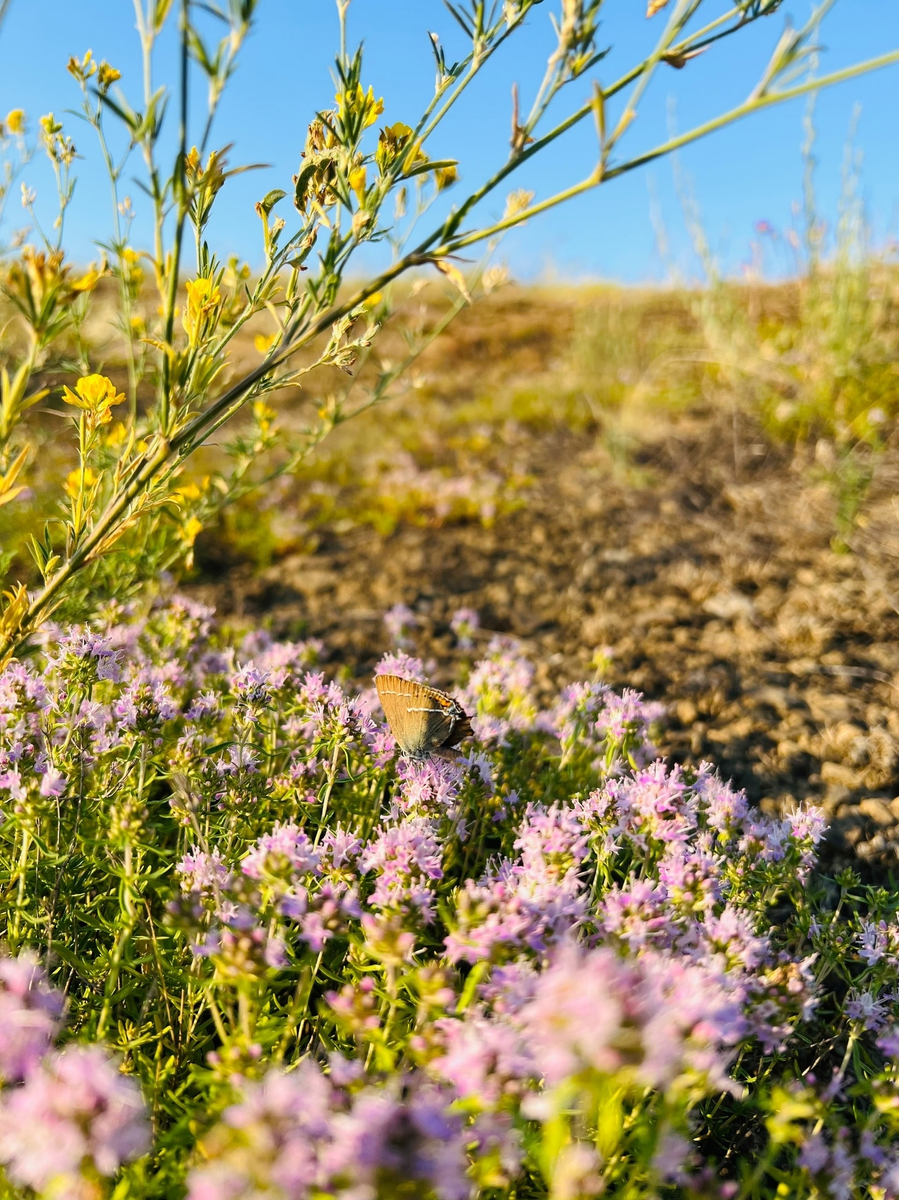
{"type": "Point", "coordinates": [421, 718]}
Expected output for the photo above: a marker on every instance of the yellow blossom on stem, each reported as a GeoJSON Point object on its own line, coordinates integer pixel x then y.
{"type": "Point", "coordinates": [15, 121]}
{"type": "Point", "coordinates": [203, 298]}
{"type": "Point", "coordinates": [87, 282]}
{"type": "Point", "coordinates": [396, 140]}
{"type": "Point", "coordinates": [356, 100]}
{"type": "Point", "coordinates": [107, 75]}
{"type": "Point", "coordinates": [357, 183]}
{"type": "Point", "coordinates": [446, 177]}
{"type": "Point", "coordinates": [264, 415]}
{"type": "Point", "coordinates": [117, 435]}
{"type": "Point", "coordinates": [264, 342]}
{"type": "Point", "coordinates": [76, 480]}
{"type": "Point", "coordinates": [190, 529]}
{"type": "Point", "coordinates": [189, 491]}
{"type": "Point", "coordinates": [83, 69]}
{"type": "Point", "coordinates": [94, 394]}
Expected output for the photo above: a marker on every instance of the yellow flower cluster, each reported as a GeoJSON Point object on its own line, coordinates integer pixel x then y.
{"type": "Point", "coordinates": [393, 141]}
{"type": "Point", "coordinates": [85, 68]}
{"type": "Point", "coordinates": [94, 395]}
{"type": "Point", "coordinates": [203, 298]}
{"type": "Point", "coordinates": [355, 100]}
{"type": "Point", "coordinates": [14, 125]}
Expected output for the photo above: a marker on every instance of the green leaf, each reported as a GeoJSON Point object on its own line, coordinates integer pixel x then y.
{"type": "Point", "coordinates": [430, 164]}
{"type": "Point", "coordinates": [270, 199]}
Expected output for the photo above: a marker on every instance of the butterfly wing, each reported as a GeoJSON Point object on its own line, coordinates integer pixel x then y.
{"type": "Point", "coordinates": [461, 728]}
{"type": "Point", "coordinates": [401, 701]}
{"type": "Point", "coordinates": [421, 718]}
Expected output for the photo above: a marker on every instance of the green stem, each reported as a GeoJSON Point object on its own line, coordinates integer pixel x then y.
{"type": "Point", "coordinates": [332, 775]}
{"type": "Point", "coordinates": [757, 104]}
{"type": "Point", "coordinates": [179, 181]}
{"type": "Point", "coordinates": [20, 891]}
{"type": "Point", "coordinates": [129, 912]}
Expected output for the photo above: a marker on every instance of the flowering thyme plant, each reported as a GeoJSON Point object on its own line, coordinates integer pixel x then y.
{"type": "Point", "coordinates": [555, 965]}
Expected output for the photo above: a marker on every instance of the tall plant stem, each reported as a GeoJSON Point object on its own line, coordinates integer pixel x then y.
{"type": "Point", "coordinates": [180, 191]}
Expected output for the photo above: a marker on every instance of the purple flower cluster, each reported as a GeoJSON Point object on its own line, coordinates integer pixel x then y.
{"type": "Point", "coordinates": [302, 1135]}
{"type": "Point", "coordinates": [399, 622]}
{"type": "Point", "coordinates": [499, 694]}
{"type": "Point", "coordinates": [492, 939]}
{"type": "Point", "coordinates": [430, 788]}
{"type": "Point", "coordinates": [73, 1110]}
{"type": "Point", "coordinates": [406, 486]}
{"type": "Point", "coordinates": [282, 855]}
{"type": "Point", "coordinates": [595, 724]}
{"type": "Point", "coordinates": [527, 902]}
{"type": "Point", "coordinates": [660, 1020]}
{"type": "Point", "coordinates": [465, 622]}
{"type": "Point", "coordinates": [65, 1115]}
{"type": "Point", "coordinates": [879, 940]}
{"type": "Point", "coordinates": [405, 860]}
{"type": "Point", "coordinates": [30, 1015]}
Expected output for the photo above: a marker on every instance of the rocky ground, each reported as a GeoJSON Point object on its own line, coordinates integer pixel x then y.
{"type": "Point", "coordinates": [702, 574]}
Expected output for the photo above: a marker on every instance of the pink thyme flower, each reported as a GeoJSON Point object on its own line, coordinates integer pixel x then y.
{"type": "Point", "coordinates": [77, 1110]}
{"type": "Point", "coordinates": [299, 1135]}
{"type": "Point", "coordinates": [402, 664]}
{"type": "Point", "coordinates": [660, 1019]}
{"type": "Point", "coordinates": [406, 861]}
{"type": "Point", "coordinates": [464, 623]}
{"type": "Point", "coordinates": [30, 1015]}
{"type": "Point", "coordinates": [284, 853]}
{"type": "Point", "coordinates": [399, 621]}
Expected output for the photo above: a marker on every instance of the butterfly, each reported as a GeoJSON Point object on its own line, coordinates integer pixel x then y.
{"type": "Point", "coordinates": [421, 718]}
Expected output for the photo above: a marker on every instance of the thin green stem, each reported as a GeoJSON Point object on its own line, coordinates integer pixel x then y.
{"type": "Point", "coordinates": [179, 182]}
{"type": "Point", "coordinates": [756, 104]}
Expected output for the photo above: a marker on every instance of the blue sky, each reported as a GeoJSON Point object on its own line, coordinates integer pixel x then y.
{"type": "Point", "coordinates": [749, 173]}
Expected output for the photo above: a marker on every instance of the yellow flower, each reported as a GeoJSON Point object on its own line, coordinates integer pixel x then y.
{"type": "Point", "coordinates": [87, 282]}
{"type": "Point", "coordinates": [264, 415]}
{"type": "Point", "coordinates": [72, 485]}
{"type": "Point", "coordinates": [15, 121]}
{"type": "Point", "coordinates": [132, 272]}
{"type": "Point", "coordinates": [190, 529]}
{"type": "Point", "coordinates": [446, 177]}
{"type": "Point", "coordinates": [116, 435]}
{"type": "Point", "coordinates": [50, 126]}
{"type": "Point", "coordinates": [517, 202]}
{"type": "Point", "coordinates": [107, 75]}
{"type": "Point", "coordinates": [357, 183]}
{"type": "Point", "coordinates": [393, 141]}
{"type": "Point", "coordinates": [190, 491]}
{"type": "Point", "coordinates": [94, 394]}
{"type": "Point", "coordinates": [355, 100]}
{"type": "Point", "coordinates": [203, 298]}
{"type": "Point", "coordinates": [264, 343]}
{"type": "Point", "coordinates": [82, 69]}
